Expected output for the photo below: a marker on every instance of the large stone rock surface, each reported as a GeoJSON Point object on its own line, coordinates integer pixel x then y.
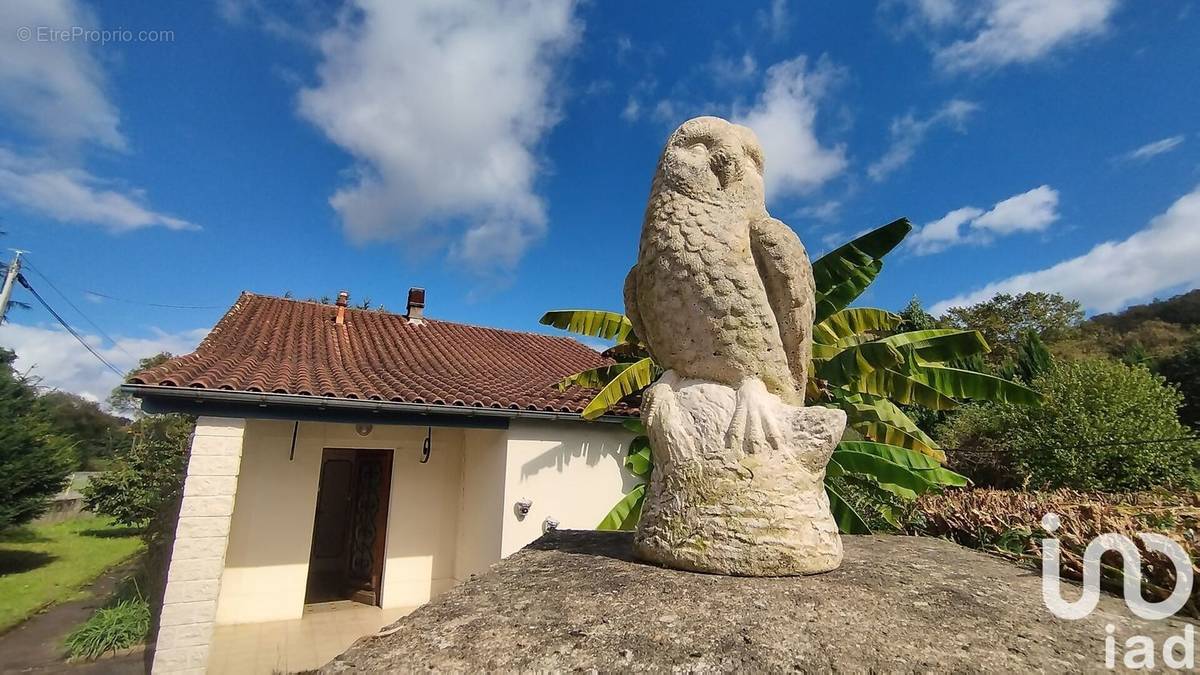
{"type": "Point", "coordinates": [580, 600]}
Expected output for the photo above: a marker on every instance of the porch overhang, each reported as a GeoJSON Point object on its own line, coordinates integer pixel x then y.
{"type": "Point", "coordinates": [263, 405]}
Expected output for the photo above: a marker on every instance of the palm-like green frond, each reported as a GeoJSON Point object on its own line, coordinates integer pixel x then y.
{"type": "Point", "coordinates": [626, 513]}
{"type": "Point", "coordinates": [633, 377]}
{"type": "Point", "coordinates": [590, 322]}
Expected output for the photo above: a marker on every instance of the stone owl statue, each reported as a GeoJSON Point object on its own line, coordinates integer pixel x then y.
{"type": "Point", "coordinates": [722, 296]}
{"type": "Point", "coordinates": [721, 290]}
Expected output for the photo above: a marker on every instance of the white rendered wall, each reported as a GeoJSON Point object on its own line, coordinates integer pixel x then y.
{"type": "Point", "coordinates": [447, 519]}
{"type": "Point", "coordinates": [571, 471]}
{"type": "Point", "coordinates": [271, 536]}
{"type": "Point", "coordinates": [481, 506]}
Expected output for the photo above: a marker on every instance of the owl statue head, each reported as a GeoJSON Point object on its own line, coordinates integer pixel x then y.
{"type": "Point", "coordinates": [712, 160]}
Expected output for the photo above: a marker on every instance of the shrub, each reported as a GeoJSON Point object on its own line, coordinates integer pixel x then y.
{"type": "Point", "coordinates": [146, 475]}
{"type": "Point", "coordinates": [1103, 426]}
{"type": "Point", "coordinates": [123, 624]}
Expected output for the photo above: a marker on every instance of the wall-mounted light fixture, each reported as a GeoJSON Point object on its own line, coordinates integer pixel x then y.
{"type": "Point", "coordinates": [549, 524]}
{"type": "Point", "coordinates": [521, 508]}
{"type": "Point", "coordinates": [364, 429]}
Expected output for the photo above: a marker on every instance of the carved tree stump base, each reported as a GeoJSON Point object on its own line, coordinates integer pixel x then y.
{"type": "Point", "coordinates": [738, 483]}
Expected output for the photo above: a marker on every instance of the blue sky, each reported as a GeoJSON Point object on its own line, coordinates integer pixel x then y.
{"type": "Point", "coordinates": [500, 154]}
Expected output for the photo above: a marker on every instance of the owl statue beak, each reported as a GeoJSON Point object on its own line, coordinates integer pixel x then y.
{"type": "Point", "coordinates": [725, 167]}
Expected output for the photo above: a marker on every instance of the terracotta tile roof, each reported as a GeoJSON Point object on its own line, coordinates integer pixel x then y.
{"type": "Point", "coordinates": [275, 345]}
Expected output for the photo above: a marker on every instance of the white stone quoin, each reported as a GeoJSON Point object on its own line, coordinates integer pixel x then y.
{"type": "Point", "coordinates": [198, 556]}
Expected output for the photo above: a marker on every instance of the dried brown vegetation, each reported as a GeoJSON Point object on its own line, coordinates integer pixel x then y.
{"type": "Point", "coordinates": [1008, 523]}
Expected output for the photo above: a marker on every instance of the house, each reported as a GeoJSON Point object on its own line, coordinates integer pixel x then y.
{"type": "Point", "coordinates": [366, 458]}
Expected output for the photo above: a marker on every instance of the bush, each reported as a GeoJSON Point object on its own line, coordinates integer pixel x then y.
{"type": "Point", "coordinates": [34, 461]}
{"type": "Point", "coordinates": [1103, 426]}
{"type": "Point", "coordinates": [147, 474]}
{"type": "Point", "coordinates": [122, 624]}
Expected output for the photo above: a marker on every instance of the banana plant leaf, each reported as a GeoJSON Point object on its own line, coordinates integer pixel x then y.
{"type": "Point", "coordinates": [590, 322]}
{"type": "Point", "coordinates": [852, 322]}
{"type": "Point", "coordinates": [638, 459]}
{"type": "Point", "coordinates": [925, 466]}
{"type": "Point", "coordinates": [626, 513]}
{"type": "Point", "coordinates": [939, 344]}
{"type": "Point", "coordinates": [854, 362]}
{"type": "Point", "coordinates": [844, 273]}
{"type": "Point", "coordinates": [848, 520]}
{"type": "Point", "coordinates": [634, 377]}
{"type": "Point", "coordinates": [901, 388]}
{"type": "Point", "coordinates": [880, 420]}
{"type": "Point", "coordinates": [895, 478]}
{"type": "Point", "coordinates": [593, 378]}
{"type": "Point", "coordinates": [958, 383]}
{"type": "Point", "coordinates": [855, 280]}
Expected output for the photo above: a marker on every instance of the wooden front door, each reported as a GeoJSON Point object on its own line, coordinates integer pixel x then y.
{"type": "Point", "coordinates": [350, 526]}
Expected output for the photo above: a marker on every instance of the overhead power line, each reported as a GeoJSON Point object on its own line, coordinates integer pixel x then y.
{"type": "Point", "coordinates": [24, 282]}
{"type": "Point", "coordinates": [78, 311]}
{"type": "Point", "coordinates": [152, 304]}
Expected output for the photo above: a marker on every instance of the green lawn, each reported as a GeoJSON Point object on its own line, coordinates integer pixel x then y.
{"type": "Point", "coordinates": [44, 564]}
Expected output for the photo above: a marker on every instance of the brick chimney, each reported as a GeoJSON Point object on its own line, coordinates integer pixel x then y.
{"type": "Point", "coordinates": [343, 299]}
{"type": "Point", "coordinates": [416, 305]}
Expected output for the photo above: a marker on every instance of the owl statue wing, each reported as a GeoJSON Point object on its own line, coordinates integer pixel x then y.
{"type": "Point", "coordinates": [787, 277]}
{"type": "Point", "coordinates": [631, 307]}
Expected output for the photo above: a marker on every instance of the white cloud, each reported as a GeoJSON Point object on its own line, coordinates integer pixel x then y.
{"type": "Point", "coordinates": [442, 105]}
{"type": "Point", "coordinates": [727, 71]}
{"type": "Point", "coordinates": [1153, 149]}
{"type": "Point", "coordinates": [943, 232]}
{"type": "Point", "coordinates": [775, 19]}
{"type": "Point", "coordinates": [631, 110]}
{"type": "Point", "coordinates": [1018, 31]}
{"type": "Point", "coordinates": [1031, 211]}
{"type": "Point", "coordinates": [55, 88]}
{"type": "Point", "coordinates": [908, 132]}
{"type": "Point", "coordinates": [55, 357]}
{"type": "Point", "coordinates": [1113, 274]}
{"type": "Point", "coordinates": [72, 195]}
{"type": "Point", "coordinates": [826, 210]}
{"type": "Point", "coordinates": [784, 118]}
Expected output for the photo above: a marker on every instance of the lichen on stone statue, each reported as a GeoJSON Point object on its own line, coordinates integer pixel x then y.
{"type": "Point", "coordinates": [722, 296]}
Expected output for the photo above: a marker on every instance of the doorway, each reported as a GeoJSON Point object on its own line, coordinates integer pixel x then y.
{"type": "Point", "coordinates": [350, 527]}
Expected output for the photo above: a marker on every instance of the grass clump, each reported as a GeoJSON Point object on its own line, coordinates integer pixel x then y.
{"type": "Point", "coordinates": [122, 624]}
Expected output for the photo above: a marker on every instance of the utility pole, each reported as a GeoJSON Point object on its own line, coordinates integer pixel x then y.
{"type": "Point", "coordinates": [10, 280]}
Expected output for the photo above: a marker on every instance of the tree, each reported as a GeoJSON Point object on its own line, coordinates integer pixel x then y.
{"type": "Point", "coordinates": [1104, 425]}
{"type": "Point", "coordinates": [34, 461]}
{"type": "Point", "coordinates": [146, 475]}
{"type": "Point", "coordinates": [1183, 370]}
{"type": "Point", "coordinates": [1033, 358]}
{"type": "Point", "coordinates": [123, 402]}
{"type": "Point", "coordinates": [863, 363]}
{"type": "Point", "coordinates": [1005, 317]}
{"type": "Point", "coordinates": [914, 316]}
{"type": "Point", "coordinates": [95, 433]}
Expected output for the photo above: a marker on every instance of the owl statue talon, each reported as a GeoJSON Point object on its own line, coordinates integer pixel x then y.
{"type": "Point", "coordinates": [722, 296]}
{"type": "Point", "coordinates": [753, 425]}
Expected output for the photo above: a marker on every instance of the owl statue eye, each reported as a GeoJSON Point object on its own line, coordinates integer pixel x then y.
{"type": "Point", "coordinates": [698, 147]}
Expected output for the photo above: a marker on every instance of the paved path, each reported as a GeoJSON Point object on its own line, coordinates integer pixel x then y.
{"type": "Point", "coordinates": [36, 646]}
